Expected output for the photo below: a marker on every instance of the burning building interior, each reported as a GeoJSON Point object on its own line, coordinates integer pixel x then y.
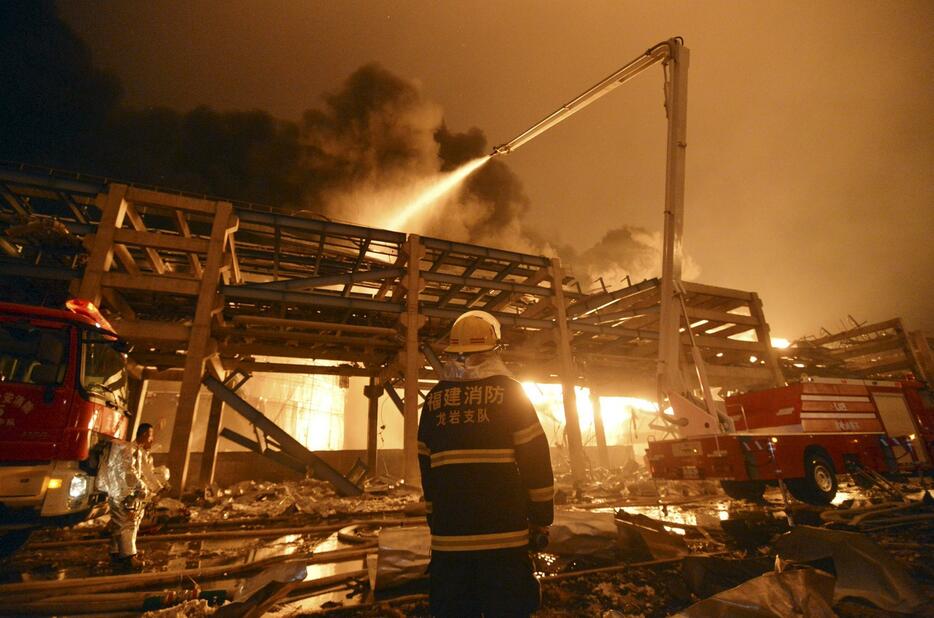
{"type": "Point", "coordinates": [222, 339]}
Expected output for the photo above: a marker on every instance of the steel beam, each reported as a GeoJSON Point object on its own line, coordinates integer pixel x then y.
{"type": "Point", "coordinates": [53, 183]}
{"type": "Point", "coordinates": [289, 445]}
{"type": "Point", "coordinates": [322, 227]}
{"type": "Point", "coordinates": [316, 282]}
{"type": "Point", "coordinates": [484, 252]}
{"type": "Point", "coordinates": [313, 325]}
{"type": "Point", "coordinates": [250, 292]}
{"type": "Point", "coordinates": [277, 456]}
{"type": "Point", "coordinates": [456, 288]}
{"type": "Point", "coordinates": [395, 398]}
{"type": "Point", "coordinates": [325, 370]}
{"type": "Point", "coordinates": [489, 284]}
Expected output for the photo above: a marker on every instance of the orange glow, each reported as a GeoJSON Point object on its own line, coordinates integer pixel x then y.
{"type": "Point", "coordinates": [616, 412]}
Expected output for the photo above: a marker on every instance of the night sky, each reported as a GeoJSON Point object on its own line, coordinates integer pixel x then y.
{"type": "Point", "coordinates": [810, 133]}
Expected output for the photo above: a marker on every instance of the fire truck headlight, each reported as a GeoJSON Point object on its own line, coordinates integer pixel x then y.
{"type": "Point", "coordinates": [78, 488]}
{"type": "Point", "coordinates": [55, 483]}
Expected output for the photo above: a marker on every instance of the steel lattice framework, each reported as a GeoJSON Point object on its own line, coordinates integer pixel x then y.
{"type": "Point", "coordinates": [202, 284]}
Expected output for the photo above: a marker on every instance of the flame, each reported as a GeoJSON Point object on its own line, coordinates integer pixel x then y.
{"type": "Point", "coordinates": [438, 188]}
{"type": "Point", "coordinates": [616, 411]}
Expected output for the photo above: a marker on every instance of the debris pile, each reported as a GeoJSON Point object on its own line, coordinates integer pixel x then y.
{"type": "Point", "coordinates": [307, 497]}
{"type": "Point", "coordinates": [628, 482]}
{"type": "Point", "coordinates": [297, 546]}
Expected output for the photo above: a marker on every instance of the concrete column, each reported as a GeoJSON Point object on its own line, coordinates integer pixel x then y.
{"type": "Point", "coordinates": [209, 456]}
{"type": "Point", "coordinates": [113, 210]}
{"type": "Point", "coordinates": [136, 398]}
{"type": "Point", "coordinates": [373, 392]}
{"type": "Point", "coordinates": [412, 361]}
{"type": "Point", "coordinates": [764, 335]}
{"type": "Point", "coordinates": [199, 346]}
{"type": "Point", "coordinates": [603, 455]}
{"type": "Point", "coordinates": [568, 376]}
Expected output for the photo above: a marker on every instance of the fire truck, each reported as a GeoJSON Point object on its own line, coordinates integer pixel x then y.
{"type": "Point", "coordinates": [801, 434]}
{"type": "Point", "coordinates": [806, 434]}
{"type": "Point", "coordinates": [63, 382]}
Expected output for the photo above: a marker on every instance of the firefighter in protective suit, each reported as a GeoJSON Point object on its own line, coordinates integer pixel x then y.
{"type": "Point", "coordinates": [130, 480]}
{"type": "Point", "coordinates": [487, 479]}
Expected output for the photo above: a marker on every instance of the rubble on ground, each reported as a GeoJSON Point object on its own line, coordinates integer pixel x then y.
{"type": "Point", "coordinates": [613, 552]}
{"type": "Point", "coordinates": [309, 497]}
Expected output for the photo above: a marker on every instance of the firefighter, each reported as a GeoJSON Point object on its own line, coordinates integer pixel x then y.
{"type": "Point", "coordinates": [130, 480]}
{"type": "Point", "coordinates": [487, 479]}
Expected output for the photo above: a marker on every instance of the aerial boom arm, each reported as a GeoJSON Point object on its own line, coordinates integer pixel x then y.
{"type": "Point", "coordinates": [689, 418]}
{"type": "Point", "coordinates": [656, 54]}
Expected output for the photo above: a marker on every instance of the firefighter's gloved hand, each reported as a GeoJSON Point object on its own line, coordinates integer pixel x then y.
{"type": "Point", "coordinates": [538, 537]}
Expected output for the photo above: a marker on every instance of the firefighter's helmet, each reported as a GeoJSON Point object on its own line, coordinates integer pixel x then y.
{"type": "Point", "coordinates": [474, 331]}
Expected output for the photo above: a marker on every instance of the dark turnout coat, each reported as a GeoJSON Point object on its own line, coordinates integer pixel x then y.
{"type": "Point", "coordinates": [485, 466]}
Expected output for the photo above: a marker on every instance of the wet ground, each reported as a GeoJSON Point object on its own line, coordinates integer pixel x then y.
{"type": "Point", "coordinates": [709, 524]}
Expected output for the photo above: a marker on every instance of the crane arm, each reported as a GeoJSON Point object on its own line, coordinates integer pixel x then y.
{"type": "Point", "coordinates": [690, 418]}
{"type": "Point", "coordinates": [653, 55]}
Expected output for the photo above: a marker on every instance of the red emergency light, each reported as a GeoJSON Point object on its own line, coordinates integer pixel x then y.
{"type": "Point", "coordinates": [88, 309]}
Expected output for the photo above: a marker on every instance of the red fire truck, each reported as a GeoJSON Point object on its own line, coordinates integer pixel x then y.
{"type": "Point", "coordinates": [62, 391]}
{"type": "Point", "coordinates": [806, 434]}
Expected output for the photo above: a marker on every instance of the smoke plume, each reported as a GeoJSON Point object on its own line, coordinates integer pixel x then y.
{"type": "Point", "coordinates": [366, 151]}
{"type": "Point", "coordinates": [624, 252]}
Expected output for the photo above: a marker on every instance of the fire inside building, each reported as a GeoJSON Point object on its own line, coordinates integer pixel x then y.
{"type": "Point", "coordinates": [210, 406]}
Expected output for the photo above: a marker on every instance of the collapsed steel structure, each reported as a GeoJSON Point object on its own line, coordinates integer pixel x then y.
{"type": "Point", "coordinates": [201, 285]}
{"type": "Point", "coordinates": [878, 351]}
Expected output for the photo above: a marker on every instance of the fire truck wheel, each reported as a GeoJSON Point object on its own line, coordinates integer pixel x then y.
{"type": "Point", "coordinates": [743, 490]}
{"type": "Point", "coordinates": [819, 485]}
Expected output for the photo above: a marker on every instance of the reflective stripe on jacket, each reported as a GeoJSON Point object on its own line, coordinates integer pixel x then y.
{"type": "Point", "coordinates": [485, 466]}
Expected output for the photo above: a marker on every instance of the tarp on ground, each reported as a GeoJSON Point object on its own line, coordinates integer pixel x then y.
{"type": "Point", "coordinates": [643, 538]}
{"type": "Point", "coordinates": [710, 575]}
{"type": "Point", "coordinates": [403, 556]}
{"type": "Point", "coordinates": [582, 533]}
{"type": "Point", "coordinates": [863, 569]}
{"type": "Point", "coordinates": [800, 592]}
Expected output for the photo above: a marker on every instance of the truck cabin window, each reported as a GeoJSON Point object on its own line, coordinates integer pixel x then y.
{"type": "Point", "coordinates": [32, 355]}
{"type": "Point", "coordinates": [103, 367]}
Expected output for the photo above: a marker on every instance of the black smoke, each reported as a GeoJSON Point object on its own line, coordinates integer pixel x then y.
{"type": "Point", "coordinates": [54, 104]}
{"type": "Point", "coordinates": [58, 110]}
{"type": "Point", "coordinates": [494, 188]}
{"type": "Point", "coordinates": [376, 133]}
{"type": "Point", "coordinates": [375, 129]}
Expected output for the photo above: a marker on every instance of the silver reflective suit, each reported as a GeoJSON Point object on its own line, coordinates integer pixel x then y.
{"type": "Point", "coordinates": [129, 478]}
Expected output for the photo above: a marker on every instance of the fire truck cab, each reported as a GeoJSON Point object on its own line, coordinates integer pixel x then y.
{"type": "Point", "coordinates": [63, 384]}
{"type": "Point", "coordinates": [806, 434]}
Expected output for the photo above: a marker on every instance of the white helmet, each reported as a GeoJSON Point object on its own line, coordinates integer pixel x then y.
{"type": "Point", "coordinates": [474, 331]}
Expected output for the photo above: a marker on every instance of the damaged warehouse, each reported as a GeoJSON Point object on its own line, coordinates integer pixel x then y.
{"type": "Point", "coordinates": [274, 365]}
